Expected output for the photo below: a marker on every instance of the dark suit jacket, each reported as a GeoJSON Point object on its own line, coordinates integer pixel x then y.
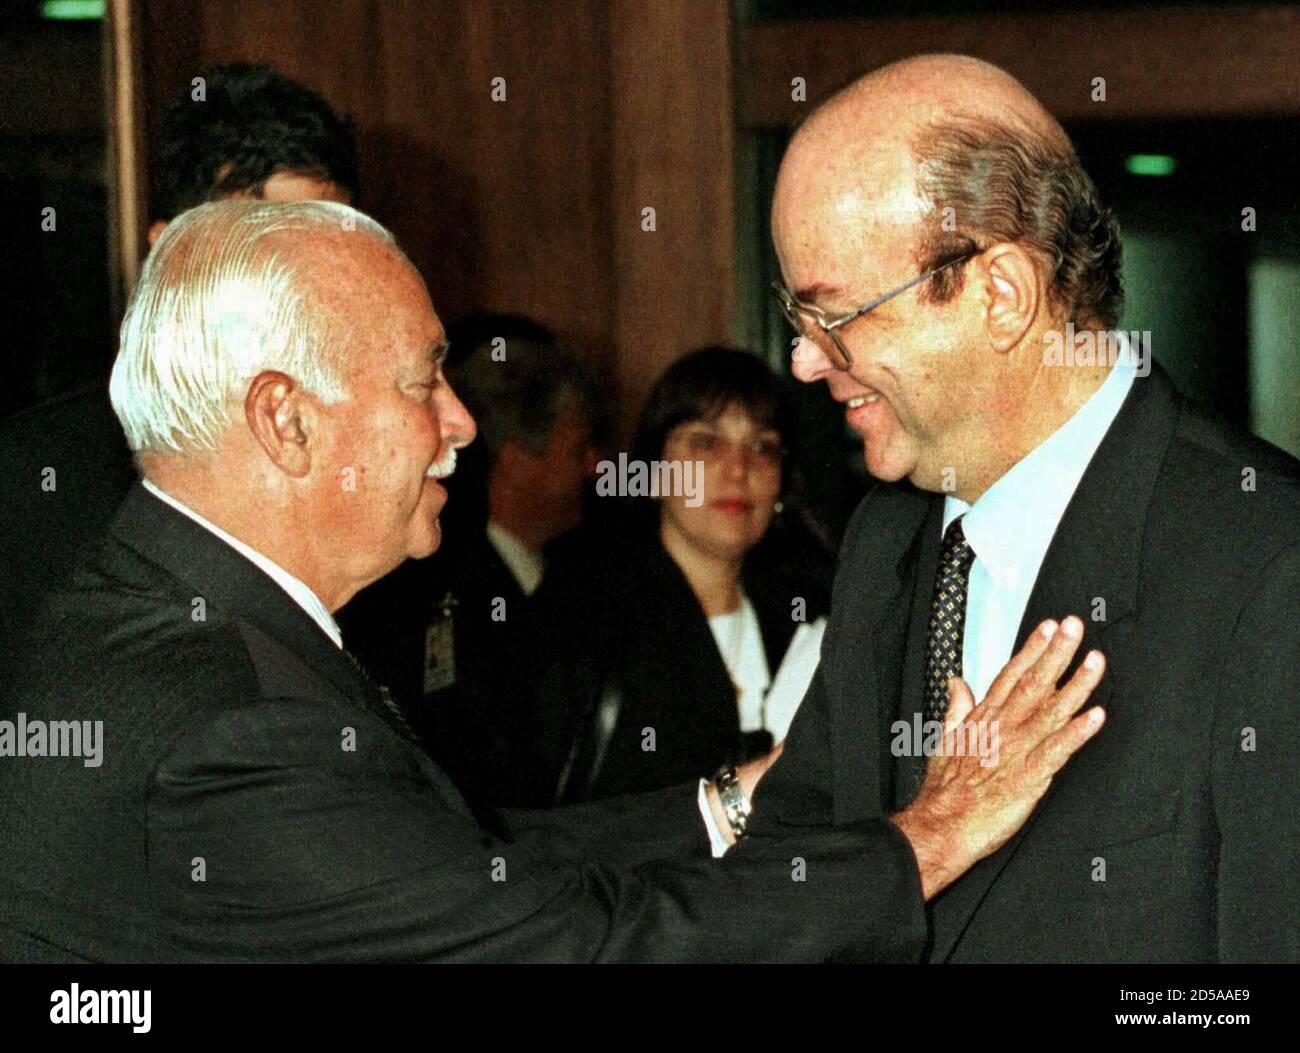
{"type": "Point", "coordinates": [257, 801]}
{"type": "Point", "coordinates": [1190, 796]}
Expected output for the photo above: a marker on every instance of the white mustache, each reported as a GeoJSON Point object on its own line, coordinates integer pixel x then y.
{"type": "Point", "coordinates": [442, 468]}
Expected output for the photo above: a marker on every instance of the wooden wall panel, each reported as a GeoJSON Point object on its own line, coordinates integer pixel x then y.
{"type": "Point", "coordinates": [530, 205]}
{"type": "Point", "coordinates": [126, 160]}
{"type": "Point", "coordinates": [507, 201]}
{"type": "Point", "coordinates": [1159, 62]}
{"type": "Point", "coordinates": [673, 152]}
{"type": "Point", "coordinates": [502, 205]}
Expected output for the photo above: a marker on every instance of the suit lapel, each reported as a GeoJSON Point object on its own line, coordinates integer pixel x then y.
{"type": "Point", "coordinates": [1091, 569]}
{"type": "Point", "coordinates": [869, 629]}
{"type": "Point", "coordinates": [226, 581]}
{"type": "Point", "coordinates": [916, 573]}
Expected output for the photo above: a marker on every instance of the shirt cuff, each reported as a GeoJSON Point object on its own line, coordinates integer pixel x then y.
{"type": "Point", "coordinates": [717, 843]}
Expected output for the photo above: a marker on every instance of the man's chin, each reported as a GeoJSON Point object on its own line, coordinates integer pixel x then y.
{"type": "Point", "coordinates": [885, 468]}
{"type": "Point", "coordinates": [427, 545]}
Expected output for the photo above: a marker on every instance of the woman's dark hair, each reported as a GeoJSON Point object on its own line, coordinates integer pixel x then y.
{"type": "Point", "coordinates": [700, 386]}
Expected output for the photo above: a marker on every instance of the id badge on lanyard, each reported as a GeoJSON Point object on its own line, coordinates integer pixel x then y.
{"type": "Point", "coordinates": [440, 648]}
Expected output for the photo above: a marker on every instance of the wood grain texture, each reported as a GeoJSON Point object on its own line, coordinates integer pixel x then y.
{"type": "Point", "coordinates": [673, 152]}
{"type": "Point", "coordinates": [126, 164]}
{"type": "Point", "coordinates": [531, 204]}
{"type": "Point", "coordinates": [503, 206]}
{"type": "Point", "coordinates": [1157, 62]}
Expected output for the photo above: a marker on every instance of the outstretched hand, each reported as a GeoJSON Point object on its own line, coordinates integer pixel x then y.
{"type": "Point", "coordinates": [967, 807]}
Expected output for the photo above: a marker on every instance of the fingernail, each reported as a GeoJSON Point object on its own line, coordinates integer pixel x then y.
{"type": "Point", "coordinates": [1072, 627]}
{"type": "Point", "coordinates": [1093, 661]}
{"type": "Point", "coordinates": [1048, 630]}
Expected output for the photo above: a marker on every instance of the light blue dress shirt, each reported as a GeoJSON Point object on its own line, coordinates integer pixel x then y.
{"type": "Point", "coordinates": [1011, 525]}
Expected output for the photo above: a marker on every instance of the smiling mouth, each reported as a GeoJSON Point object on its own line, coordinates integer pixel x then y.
{"type": "Point", "coordinates": [442, 468]}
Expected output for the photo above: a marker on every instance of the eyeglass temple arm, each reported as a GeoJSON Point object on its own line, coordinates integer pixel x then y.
{"type": "Point", "coordinates": [890, 295]}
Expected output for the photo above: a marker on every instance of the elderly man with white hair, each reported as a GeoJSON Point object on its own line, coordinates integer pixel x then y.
{"type": "Point", "coordinates": [258, 798]}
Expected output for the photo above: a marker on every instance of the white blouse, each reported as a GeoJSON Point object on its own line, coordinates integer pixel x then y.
{"type": "Point", "coordinates": [766, 703]}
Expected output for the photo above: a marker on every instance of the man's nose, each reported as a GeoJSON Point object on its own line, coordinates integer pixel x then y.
{"type": "Point", "coordinates": [808, 362]}
{"type": "Point", "coordinates": [458, 426]}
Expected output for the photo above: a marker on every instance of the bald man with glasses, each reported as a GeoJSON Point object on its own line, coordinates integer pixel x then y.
{"type": "Point", "coordinates": [1020, 481]}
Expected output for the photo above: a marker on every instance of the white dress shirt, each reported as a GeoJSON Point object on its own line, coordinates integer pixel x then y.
{"type": "Point", "coordinates": [766, 702]}
{"type": "Point", "coordinates": [740, 643]}
{"type": "Point", "coordinates": [298, 592]}
{"type": "Point", "coordinates": [1011, 525]}
{"type": "Point", "coordinates": [526, 565]}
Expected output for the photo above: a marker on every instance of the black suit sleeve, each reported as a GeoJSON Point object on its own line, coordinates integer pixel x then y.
{"type": "Point", "coordinates": [799, 787]}
{"type": "Point", "coordinates": [304, 831]}
{"type": "Point", "coordinates": [620, 831]}
{"type": "Point", "coordinates": [1256, 780]}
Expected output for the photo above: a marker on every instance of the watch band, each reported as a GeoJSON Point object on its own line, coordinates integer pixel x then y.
{"type": "Point", "coordinates": [735, 804]}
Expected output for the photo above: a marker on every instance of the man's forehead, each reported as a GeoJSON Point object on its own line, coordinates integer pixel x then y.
{"type": "Point", "coordinates": [870, 181]}
{"type": "Point", "coordinates": [288, 186]}
{"type": "Point", "coordinates": [373, 293]}
{"type": "Point", "coordinates": [837, 229]}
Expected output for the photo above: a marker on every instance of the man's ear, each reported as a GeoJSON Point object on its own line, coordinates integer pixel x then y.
{"type": "Point", "coordinates": [155, 231]}
{"type": "Point", "coordinates": [1014, 292]}
{"type": "Point", "coordinates": [275, 410]}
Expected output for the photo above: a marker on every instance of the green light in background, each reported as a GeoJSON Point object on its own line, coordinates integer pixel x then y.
{"type": "Point", "coordinates": [72, 10]}
{"type": "Point", "coordinates": [1150, 164]}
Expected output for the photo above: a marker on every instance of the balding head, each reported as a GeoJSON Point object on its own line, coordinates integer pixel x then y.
{"type": "Point", "coordinates": [943, 161]}
{"type": "Point", "coordinates": [924, 88]}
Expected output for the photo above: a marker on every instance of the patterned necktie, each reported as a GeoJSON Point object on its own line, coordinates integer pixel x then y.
{"type": "Point", "coordinates": [381, 692]}
{"type": "Point", "coordinates": [947, 619]}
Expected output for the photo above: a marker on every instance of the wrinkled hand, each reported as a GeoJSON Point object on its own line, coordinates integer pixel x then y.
{"type": "Point", "coordinates": [968, 808]}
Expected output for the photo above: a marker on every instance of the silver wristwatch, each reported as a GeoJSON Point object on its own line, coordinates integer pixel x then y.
{"type": "Point", "coordinates": [734, 802]}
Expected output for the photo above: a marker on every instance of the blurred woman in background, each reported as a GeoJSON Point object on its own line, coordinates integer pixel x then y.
{"type": "Point", "coordinates": [681, 647]}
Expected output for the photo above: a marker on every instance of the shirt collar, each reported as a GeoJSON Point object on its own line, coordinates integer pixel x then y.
{"type": "Point", "coordinates": [524, 564]}
{"type": "Point", "coordinates": [1012, 523]}
{"type": "Point", "coordinates": [297, 590]}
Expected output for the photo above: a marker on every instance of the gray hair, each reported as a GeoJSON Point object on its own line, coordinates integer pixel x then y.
{"type": "Point", "coordinates": [520, 399]}
{"type": "Point", "coordinates": [1004, 183]}
{"type": "Point", "coordinates": [219, 301]}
